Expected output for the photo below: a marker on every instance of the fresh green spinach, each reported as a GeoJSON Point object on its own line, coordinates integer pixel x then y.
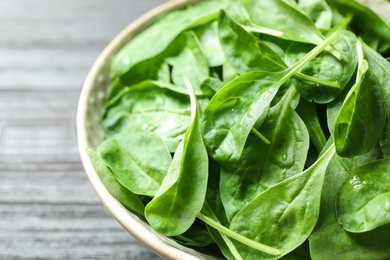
{"type": "Point", "coordinates": [255, 129]}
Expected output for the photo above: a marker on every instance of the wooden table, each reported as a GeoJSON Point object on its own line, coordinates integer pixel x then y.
{"type": "Point", "coordinates": [48, 209]}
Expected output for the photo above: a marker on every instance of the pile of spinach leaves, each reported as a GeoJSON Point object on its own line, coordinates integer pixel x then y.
{"type": "Point", "coordinates": [259, 129]}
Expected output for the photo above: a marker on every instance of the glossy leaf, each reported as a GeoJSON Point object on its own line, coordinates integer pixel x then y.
{"type": "Point", "coordinates": [380, 67]}
{"type": "Point", "coordinates": [247, 53]}
{"type": "Point", "coordinates": [319, 11]}
{"type": "Point", "coordinates": [307, 111]}
{"type": "Point", "coordinates": [362, 117]}
{"type": "Point", "coordinates": [150, 106]}
{"type": "Point", "coordinates": [326, 67]}
{"type": "Point", "coordinates": [182, 193]}
{"type": "Point", "coordinates": [154, 68]}
{"type": "Point", "coordinates": [329, 240]}
{"type": "Point", "coordinates": [209, 41]}
{"type": "Point", "coordinates": [232, 112]}
{"type": "Point", "coordinates": [187, 61]}
{"type": "Point", "coordinates": [243, 50]}
{"type": "Point", "coordinates": [139, 160]}
{"type": "Point", "coordinates": [213, 208]}
{"type": "Point", "coordinates": [284, 215]}
{"type": "Point", "coordinates": [363, 201]}
{"type": "Point", "coordinates": [152, 42]}
{"type": "Point", "coordinates": [375, 30]}
{"type": "Point", "coordinates": [286, 17]}
{"type": "Point", "coordinates": [261, 166]}
{"type": "Point", "coordinates": [117, 190]}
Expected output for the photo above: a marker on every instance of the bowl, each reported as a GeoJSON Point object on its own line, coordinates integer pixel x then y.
{"type": "Point", "coordinates": [90, 110]}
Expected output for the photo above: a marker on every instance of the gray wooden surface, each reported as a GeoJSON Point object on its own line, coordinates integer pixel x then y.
{"type": "Point", "coordinates": [48, 209]}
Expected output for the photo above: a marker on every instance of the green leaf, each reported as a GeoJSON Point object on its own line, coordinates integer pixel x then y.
{"type": "Point", "coordinates": [319, 11]}
{"type": "Point", "coordinates": [307, 111]}
{"type": "Point", "coordinates": [210, 86]}
{"type": "Point", "coordinates": [247, 53]}
{"type": "Point", "coordinates": [187, 61]}
{"type": "Point", "coordinates": [117, 190]}
{"type": "Point", "coordinates": [375, 30]}
{"type": "Point", "coordinates": [182, 193]}
{"type": "Point", "coordinates": [329, 240]}
{"type": "Point", "coordinates": [152, 107]}
{"type": "Point", "coordinates": [362, 117]}
{"type": "Point", "coordinates": [151, 42]}
{"type": "Point", "coordinates": [243, 50]}
{"type": "Point", "coordinates": [286, 17]}
{"type": "Point", "coordinates": [326, 67]}
{"type": "Point", "coordinates": [284, 215]}
{"type": "Point", "coordinates": [139, 160]}
{"type": "Point", "coordinates": [209, 42]}
{"type": "Point", "coordinates": [232, 112]}
{"type": "Point", "coordinates": [154, 68]}
{"type": "Point", "coordinates": [261, 166]}
{"type": "Point", "coordinates": [363, 201]}
{"type": "Point", "coordinates": [380, 67]}
{"type": "Point", "coordinates": [196, 236]}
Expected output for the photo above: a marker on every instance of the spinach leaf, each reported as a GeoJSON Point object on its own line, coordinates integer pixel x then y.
{"type": "Point", "coordinates": [209, 41]}
{"type": "Point", "coordinates": [210, 86]}
{"type": "Point", "coordinates": [326, 67]}
{"type": "Point", "coordinates": [140, 170]}
{"type": "Point", "coordinates": [275, 176]}
{"type": "Point", "coordinates": [187, 61]}
{"type": "Point", "coordinates": [196, 236]}
{"type": "Point", "coordinates": [232, 112]}
{"type": "Point", "coordinates": [307, 111]}
{"type": "Point", "coordinates": [149, 106]}
{"type": "Point", "coordinates": [362, 117]}
{"type": "Point", "coordinates": [363, 201]}
{"type": "Point", "coordinates": [381, 68]}
{"type": "Point", "coordinates": [182, 193]}
{"type": "Point", "coordinates": [154, 68]}
{"type": "Point", "coordinates": [284, 215]}
{"type": "Point", "coordinates": [261, 166]}
{"type": "Point", "coordinates": [243, 50]}
{"type": "Point", "coordinates": [117, 190]}
{"type": "Point", "coordinates": [329, 240]}
{"type": "Point", "coordinates": [214, 209]}
{"type": "Point", "coordinates": [228, 72]}
{"type": "Point", "coordinates": [152, 42]}
{"type": "Point", "coordinates": [319, 11]}
{"type": "Point", "coordinates": [375, 30]}
{"type": "Point", "coordinates": [285, 17]}
{"type": "Point", "coordinates": [247, 53]}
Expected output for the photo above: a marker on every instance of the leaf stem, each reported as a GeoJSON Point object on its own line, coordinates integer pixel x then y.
{"type": "Point", "coordinates": [246, 241]}
{"type": "Point", "coordinates": [261, 136]}
{"type": "Point", "coordinates": [260, 29]}
{"type": "Point", "coordinates": [332, 84]}
{"type": "Point", "coordinates": [192, 98]}
{"type": "Point", "coordinates": [232, 248]}
{"type": "Point", "coordinates": [308, 57]}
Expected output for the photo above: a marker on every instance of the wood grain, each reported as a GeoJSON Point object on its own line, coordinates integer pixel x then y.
{"type": "Point", "coordinates": [48, 209]}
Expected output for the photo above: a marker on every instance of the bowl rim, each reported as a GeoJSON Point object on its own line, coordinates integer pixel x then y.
{"type": "Point", "coordinates": [162, 246]}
